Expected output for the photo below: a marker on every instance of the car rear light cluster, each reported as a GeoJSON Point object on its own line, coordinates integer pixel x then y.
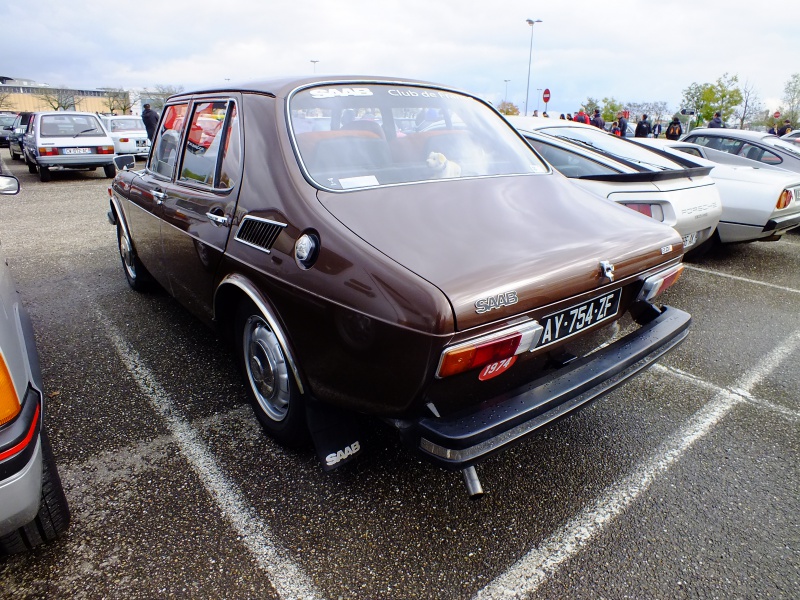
{"type": "Point", "coordinates": [785, 199]}
{"type": "Point", "coordinates": [9, 401]}
{"type": "Point", "coordinates": [489, 349]}
{"type": "Point", "coordinates": [658, 283]}
{"type": "Point", "coordinates": [105, 149]}
{"type": "Point", "coordinates": [654, 211]}
{"type": "Point", "coordinates": [50, 151]}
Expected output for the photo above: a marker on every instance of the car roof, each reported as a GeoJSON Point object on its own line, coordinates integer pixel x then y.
{"type": "Point", "coordinates": [282, 87]}
{"type": "Point", "coordinates": [745, 134]}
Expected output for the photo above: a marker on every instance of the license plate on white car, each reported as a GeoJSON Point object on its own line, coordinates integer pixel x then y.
{"type": "Point", "coordinates": [141, 143]}
{"type": "Point", "coordinates": [77, 150]}
{"type": "Point", "coordinates": [689, 239]}
{"type": "Point", "coordinates": [575, 319]}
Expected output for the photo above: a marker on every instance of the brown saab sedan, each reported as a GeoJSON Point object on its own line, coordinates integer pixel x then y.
{"type": "Point", "coordinates": [393, 249]}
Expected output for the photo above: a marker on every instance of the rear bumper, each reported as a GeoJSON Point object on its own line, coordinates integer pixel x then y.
{"type": "Point", "coordinates": [465, 439]}
{"type": "Point", "coordinates": [782, 224]}
{"type": "Point", "coordinates": [78, 161]}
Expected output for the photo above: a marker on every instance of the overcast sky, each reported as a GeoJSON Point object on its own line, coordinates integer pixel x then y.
{"type": "Point", "coordinates": [637, 51]}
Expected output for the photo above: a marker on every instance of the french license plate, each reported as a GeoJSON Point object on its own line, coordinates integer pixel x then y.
{"type": "Point", "coordinates": [575, 319]}
{"type": "Point", "coordinates": [689, 239]}
{"type": "Point", "coordinates": [141, 143]}
{"type": "Point", "coordinates": [77, 151]}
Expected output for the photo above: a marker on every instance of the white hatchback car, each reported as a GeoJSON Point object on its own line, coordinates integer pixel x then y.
{"type": "Point", "coordinates": [128, 133]}
{"type": "Point", "coordinates": [644, 180]}
{"type": "Point", "coordinates": [67, 140]}
{"type": "Point", "coordinates": [757, 203]}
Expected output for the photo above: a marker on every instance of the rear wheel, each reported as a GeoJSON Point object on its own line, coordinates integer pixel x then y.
{"type": "Point", "coordinates": [44, 174]}
{"type": "Point", "coordinates": [14, 155]}
{"type": "Point", "coordinates": [135, 272]}
{"type": "Point", "coordinates": [53, 516]}
{"type": "Point", "coordinates": [109, 170]}
{"type": "Point", "coordinates": [271, 388]}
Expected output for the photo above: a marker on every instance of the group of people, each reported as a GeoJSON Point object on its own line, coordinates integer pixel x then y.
{"type": "Point", "coordinates": [644, 127]}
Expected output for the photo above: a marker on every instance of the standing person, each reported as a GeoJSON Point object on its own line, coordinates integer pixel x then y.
{"type": "Point", "coordinates": [562, 117]}
{"type": "Point", "coordinates": [773, 129]}
{"type": "Point", "coordinates": [615, 128]}
{"type": "Point", "coordinates": [642, 128]}
{"type": "Point", "coordinates": [598, 120]}
{"type": "Point", "coordinates": [657, 129]}
{"type": "Point", "coordinates": [569, 117]}
{"type": "Point", "coordinates": [623, 125]}
{"type": "Point", "coordinates": [716, 121]}
{"type": "Point", "coordinates": [787, 128]}
{"type": "Point", "coordinates": [581, 117]}
{"type": "Point", "coordinates": [150, 118]}
{"type": "Point", "coordinates": [674, 130]}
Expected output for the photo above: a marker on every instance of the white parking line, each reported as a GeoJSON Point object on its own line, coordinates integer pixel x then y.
{"type": "Point", "coordinates": [287, 578]}
{"type": "Point", "coordinates": [530, 571]}
{"type": "Point", "coordinates": [744, 279]}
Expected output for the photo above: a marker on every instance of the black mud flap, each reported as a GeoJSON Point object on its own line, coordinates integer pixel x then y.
{"type": "Point", "coordinates": [336, 433]}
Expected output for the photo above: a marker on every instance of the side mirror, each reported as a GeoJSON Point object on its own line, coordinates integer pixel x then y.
{"type": "Point", "coordinates": [9, 185]}
{"type": "Point", "coordinates": [124, 162]}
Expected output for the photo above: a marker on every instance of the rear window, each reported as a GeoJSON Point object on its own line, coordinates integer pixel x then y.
{"type": "Point", "coordinates": [366, 135]}
{"type": "Point", "coordinates": [126, 125]}
{"type": "Point", "coordinates": [70, 125]}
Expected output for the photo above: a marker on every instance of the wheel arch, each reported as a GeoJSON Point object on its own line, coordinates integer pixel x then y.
{"type": "Point", "coordinates": [236, 288]}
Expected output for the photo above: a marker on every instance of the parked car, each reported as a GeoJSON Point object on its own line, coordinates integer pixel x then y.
{"type": "Point", "coordinates": [33, 507]}
{"type": "Point", "coordinates": [67, 140]}
{"type": "Point", "coordinates": [792, 136]}
{"type": "Point", "coordinates": [648, 182]}
{"type": "Point", "coordinates": [14, 133]}
{"type": "Point", "coordinates": [755, 145]}
{"type": "Point", "coordinates": [6, 121]}
{"type": "Point", "coordinates": [445, 281]}
{"type": "Point", "coordinates": [757, 203]}
{"type": "Point", "coordinates": [128, 133]}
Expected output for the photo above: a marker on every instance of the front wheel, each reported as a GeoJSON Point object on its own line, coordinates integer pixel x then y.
{"type": "Point", "coordinates": [270, 383]}
{"type": "Point", "coordinates": [109, 170]}
{"type": "Point", "coordinates": [135, 272]}
{"type": "Point", "coordinates": [53, 516]}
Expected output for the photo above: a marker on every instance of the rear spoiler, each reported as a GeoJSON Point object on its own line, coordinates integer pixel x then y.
{"type": "Point", "coordinates": [651, 175]}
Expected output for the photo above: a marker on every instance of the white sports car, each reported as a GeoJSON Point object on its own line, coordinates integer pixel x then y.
{"type": "Point", "coordinates": [757, 203]}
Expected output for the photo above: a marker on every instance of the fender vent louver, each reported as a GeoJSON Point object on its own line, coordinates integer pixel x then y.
{"type": "Point", "coordinates": [259, 233]}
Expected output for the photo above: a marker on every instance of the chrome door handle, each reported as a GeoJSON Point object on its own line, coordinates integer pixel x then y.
{"type": "Point", "coordinates": [218, 219]}
{"type": "Point", "coordinates": [159, 196]}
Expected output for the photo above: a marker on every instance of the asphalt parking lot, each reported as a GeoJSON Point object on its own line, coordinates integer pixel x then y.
{"type": "Point", "coordinates": [682, 484]}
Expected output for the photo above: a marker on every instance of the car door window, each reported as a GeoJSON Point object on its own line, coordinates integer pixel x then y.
{"type": "Point", "coordinates": [568, 163]}
{"type": "Point", "coordinates": [207, 135]}
{"type": "Point", "coordinates": [760, 154]}
{"type": "Point", "coordinates": [168, 138]}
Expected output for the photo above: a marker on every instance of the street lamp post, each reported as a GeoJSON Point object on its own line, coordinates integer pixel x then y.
{"type": "Point", "coordinates": [505, 98]}
{"type": "Point", "coordinates": [314, 62]}
{"type": "Point", "coordinates": [530, 56]}
{"type": "Point", "coordinates": [538, 95]}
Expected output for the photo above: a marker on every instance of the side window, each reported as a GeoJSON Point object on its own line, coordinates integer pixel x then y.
{"type": "Point", "coordinates": [168, 139]}
{"type": "Point", "coordinates": [568, 163]}
{"type": "Point", "coordinates": [730, 145]}
{"type": "Point", "coordinates": [689, 150]}
{"type": "Point", "coordinates": [760, 154]}
{"type": "Point", "coordinates": [232, 156]}
{"type": "Point", "coordinates": [202, 152]}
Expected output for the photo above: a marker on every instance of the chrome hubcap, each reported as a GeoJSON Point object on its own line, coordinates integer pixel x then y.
{"type": "Point", "coordinates": [267, 371]}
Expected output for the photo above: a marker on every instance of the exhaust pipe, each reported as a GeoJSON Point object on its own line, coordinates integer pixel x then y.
{"type": "Point", "coordinates": [472, 482]}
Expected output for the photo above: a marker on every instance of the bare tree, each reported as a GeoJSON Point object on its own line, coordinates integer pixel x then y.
{"type": "Point", "coordinates": [791, 95]}
{"type": "Point", "coordinates": [751, 106]}
{"type": "Point", "coordinates": [59, 98]}
{"type": "Point", "coordinates": [157, 97]}
{"type": "Point", "coordinates": [5, 100]}
{"type": "Point", "coordinates": [118, 100]}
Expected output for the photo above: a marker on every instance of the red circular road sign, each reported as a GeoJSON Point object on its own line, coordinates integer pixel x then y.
{"type": "Point", "coordinates": [546, 96]}
{"type": "Point", "coordinates": [777, 114]}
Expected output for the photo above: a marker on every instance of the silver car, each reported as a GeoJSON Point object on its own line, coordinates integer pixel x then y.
{"type": "Point", "coordinates": [128, 133]}
{"type": "Point", "coordinates": [33, 507]}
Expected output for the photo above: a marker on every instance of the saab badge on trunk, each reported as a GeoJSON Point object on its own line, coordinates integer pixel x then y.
{"type": "Point", "coordinates": [607, 269]}
{"type": "Point", "coordinates": [493, 302]}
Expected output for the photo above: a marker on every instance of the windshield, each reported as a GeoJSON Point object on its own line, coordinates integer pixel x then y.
{"type": "Point", "coordinates": [7, 120]}
{"type": "Point", "coordinates": [365, 135]}
{"type": "Point", "coordinates": [132, 124]}
{"type": "Point", "coordinates": [613, 146]}
{"type": "Point", "coordinates": [70, 125]}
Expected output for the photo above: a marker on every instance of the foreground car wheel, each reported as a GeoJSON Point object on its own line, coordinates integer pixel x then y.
{"type": "Point", "coordinates": [53, 516]}
{"type": "Point", "coordinates": [269, 380]}
{"type": "Point", "coordinates": [109, 170]}
{"type": "Point", "coordinates": [44, 174]}
{"type": "Point", "coordinates": [14, 155]}
{"type": "Point", "coordinates": [135, 272]}
{"type": "Point", "coordinates": [31, 167]}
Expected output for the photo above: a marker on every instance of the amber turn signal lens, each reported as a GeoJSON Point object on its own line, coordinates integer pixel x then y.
{"type": "Point", "coordinates": [9, 401]}
{"type": "Point", "coordinates": [785, 199]}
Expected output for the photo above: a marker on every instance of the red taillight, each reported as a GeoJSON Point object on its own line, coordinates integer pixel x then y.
{"type": "Point", "coordinates": [489, 349]}
{"type": "Point", "coordinates": [785, 199]}
{"type": "Point", "coordinates": [124, 139]}
{"type": "Point", "coordinates": [105, 149]}
{"type": "Point", "coordinates": [49, 151]}
{"type": "Point", "coordinates": [654, 211]}
{"type": "Point", "coordinates": [658, 283]}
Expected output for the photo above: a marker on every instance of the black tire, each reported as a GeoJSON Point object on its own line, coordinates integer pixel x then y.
{"type": "Point", "coordinates": [700, 252]}
{"type": "Point", "coordinates": [109, 170]}
{"type": "Point", "coordinates": [135, 272]}
{"type": "Point", "coordinates": [269, 380]}
{"type": "Point", "coordinates": [14, 155]}
{"type": "Point", "coordinates": [53, 516]}
{"type": "Point", "coordinates": [44, 174]}
{"type": "Point", "coordinates": [31, 167]}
